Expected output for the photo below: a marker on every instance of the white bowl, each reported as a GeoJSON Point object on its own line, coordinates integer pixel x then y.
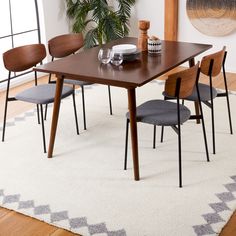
{"type": "Point", "coordinates": [124, 48]}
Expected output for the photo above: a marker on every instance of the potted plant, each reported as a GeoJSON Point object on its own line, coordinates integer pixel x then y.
{"type": "Point", "coordinates": [99, 20]}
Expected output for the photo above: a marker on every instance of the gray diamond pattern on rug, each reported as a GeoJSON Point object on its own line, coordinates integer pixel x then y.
{"type": "Point", "coordinates": [11, 199]}
{"type": "Point", "coordinates": [97, 229]}
{"type": "Point", "coordinates": [57, 216]}
{"type": "Point", "coordinates": [213, 218]}
{"type": "Point", "coordinates": [75, 223]}
{"type": "Point", "coordinates": [41, 210]}
{"type": "Point", "coordinates": [20, 118]}
{"type": "Point", "coordinates": [26, 204]}
{"type": "Point", "coordinates": [226, 196]}
{"type": "Point", "coordinates": [219, 207]}
{"type": "Point", "coordinates": [101, 228]}
{"type": "Point", "coordinates": [78, 222]}
{"type": "Point", "coordinates": [231, 187]}
{"type": "Point", "coordinates": [1, 192]}
{"type": "Point", "coordinates": [8, 124]}
{"type": "Point", "coordinates": [117, 233]}
{"type": "Point", "coordinates": [203, 230]}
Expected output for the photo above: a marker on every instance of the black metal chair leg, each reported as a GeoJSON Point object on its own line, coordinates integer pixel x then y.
{"type": "Point", "coordinates": [180, 158]}
{"type": "Point", "coordinates": [5, 110]}
{"type": "Point", "coordinates": [213, 128]}
{"type": "Point", "coordinates": [227, 95]}
{"type": "Point", "coordinates": [46, 106]}
{"type": "Point", "coordinates": [162, 133]}
{"type": "Point", "coordinates": [4, 121]}
{"type": "Point", "coordinates": [83, 103]}
{"type": "Point", "coordinates": [46, 111]}
{"type": "Point", "coordinates": [75, 111]}
{"type": "Point", "coordinates": [179, 144]}
{"type": "Point", "coordinates": [204, 132]}
{"type": "Point", "coordinates": [162, 127]}
{"type": "Point", "coordinates": [109, 93]}
{"type": "Point", "coordinates": [43, 131]}
{"type": "Point", "coordinates": [154, 136]}
{"type": "Point", "coordinates": [212, 108]}
{"type": "Point", "coordinates": [38, 113]}
{"type": "Point", "coordinates": [229, 114]}
{"type": "Point", "coordinates": [126, 144]}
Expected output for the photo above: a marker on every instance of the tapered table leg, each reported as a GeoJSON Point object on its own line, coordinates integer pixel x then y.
{"type": "Point", "coordinates": [133, 131]}
{"type": "Point", "coordinates": [197, 110]}
{"type": "Point", "coordinates": [55, 115]}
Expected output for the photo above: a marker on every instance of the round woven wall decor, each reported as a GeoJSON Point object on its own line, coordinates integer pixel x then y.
{"type": "Point", "coordinates": [212, 17]}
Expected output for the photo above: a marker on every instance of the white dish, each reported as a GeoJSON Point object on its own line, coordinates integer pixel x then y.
{"type": "Point", "coordinates": [124, 48]}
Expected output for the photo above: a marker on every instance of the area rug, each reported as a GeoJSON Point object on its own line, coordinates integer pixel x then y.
{"type": "Point", "coordinates": [84, 188]}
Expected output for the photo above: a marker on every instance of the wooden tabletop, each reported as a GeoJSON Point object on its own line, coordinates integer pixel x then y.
{"type": "Point", "coordinates": [86, 66]}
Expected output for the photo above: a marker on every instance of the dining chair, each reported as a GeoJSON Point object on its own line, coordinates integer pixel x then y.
{"type": "Point", "coordinates": [167, 113]}
{"type": "Point", "coordinates": [65, 45]}
{"type": "Point", "coordinates": [211, 66]}
{"type": "Point", "coordinates": [24, 58]}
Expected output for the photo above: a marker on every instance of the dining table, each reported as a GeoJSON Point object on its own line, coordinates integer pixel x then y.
{"type": "Point", "coordinates": [85, 66]}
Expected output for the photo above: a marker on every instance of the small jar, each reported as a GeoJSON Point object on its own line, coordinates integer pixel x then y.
{"type": "Point", "coordinates": [154, 46]}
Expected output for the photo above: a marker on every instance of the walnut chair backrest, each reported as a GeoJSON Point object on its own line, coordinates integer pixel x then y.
{"type": "Point", "coordinates": [24, 57]}
{"type": "Point", "coordinates": [181, 84]}
{"type": "Point", "coordinates": [64, 45]}
{"type": "Point", "coordinates": [217, 58]}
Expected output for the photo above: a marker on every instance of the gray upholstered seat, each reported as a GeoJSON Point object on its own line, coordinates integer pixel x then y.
{"type": "Point", "coordinates": [23, 58]}
{"type": "Point", "coordinates": [204, 91]}
{"type": "Point", "coordinates": [169, 113]}
{"type": "Point", "coordinates": [42, 94]}
{"type": "Point", "coordinates": [161, 112]}
{"type": "Point", "coordinates": [76, 82]}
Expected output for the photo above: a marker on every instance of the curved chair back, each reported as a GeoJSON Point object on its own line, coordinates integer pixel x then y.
{"type": "Point", "coordinates": [64, 45]}
{"type": "Point", "coordinates": [216, 59]}
{"type": "Point", "coordinates": [24, 57]}
{"type": "Point", "coordinates": [181, 84]}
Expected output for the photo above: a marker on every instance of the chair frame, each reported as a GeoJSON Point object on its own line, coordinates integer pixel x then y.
{"type": "Point", "coordinates": [177, 128]}
{"type": "Point", "coordinates": [219, 94]}
{"type": "Point", "coordinates": [210, 104]}
{"type": "Point", "coordinates": [58, 53]}
{"type": "Point", "coordinates": [10, 65]}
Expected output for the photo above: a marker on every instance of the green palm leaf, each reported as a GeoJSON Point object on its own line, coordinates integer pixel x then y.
{"type": "Point", "coordinates": [98, 20]}
{"type": "Point", "coordinates": [111, 27]}
{"type": "Point", "coordinates": [91, 38]}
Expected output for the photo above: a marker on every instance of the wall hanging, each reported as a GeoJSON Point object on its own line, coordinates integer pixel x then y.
{"type": "Point", "coordinates": [212, 17]}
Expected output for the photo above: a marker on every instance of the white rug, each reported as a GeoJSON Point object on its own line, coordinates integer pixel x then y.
{"type": "Point", "coordinates": [84, 188]}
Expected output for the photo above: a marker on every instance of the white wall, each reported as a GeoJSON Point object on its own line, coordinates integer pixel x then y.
{"type": "Point", "coordinates": [55, 20]}
{"type": "Point", "coordinates": [153, 10]}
